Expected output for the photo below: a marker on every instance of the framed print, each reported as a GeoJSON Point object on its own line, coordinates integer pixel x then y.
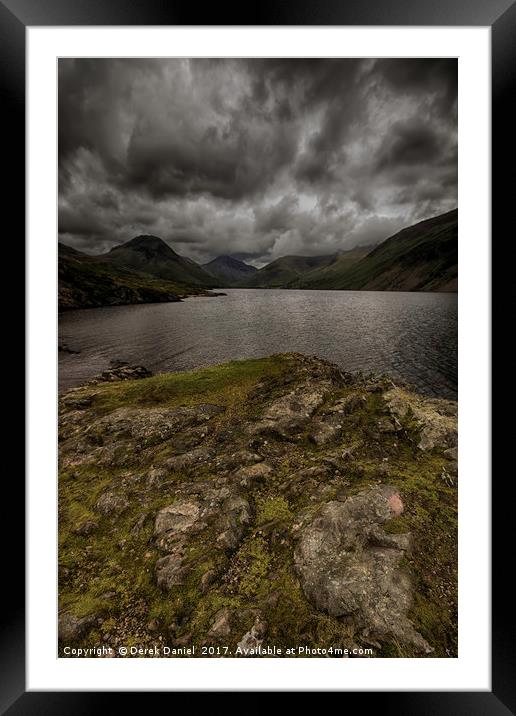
{"type": "Point", "coordinates": [258, 365]}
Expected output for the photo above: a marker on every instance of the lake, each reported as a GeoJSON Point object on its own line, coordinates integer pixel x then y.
{"type": "Point", "coordinates": [410, 336]}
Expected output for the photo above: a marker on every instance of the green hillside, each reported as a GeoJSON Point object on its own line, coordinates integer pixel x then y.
{"type": "Point", "coordinates": [285, 270]}
{"type": "Point", "coordinates": [328, 276]}
{"type": "Point", "coordinates": [422, 257]}
{"type": "Point", "coordinates": [152, 255]}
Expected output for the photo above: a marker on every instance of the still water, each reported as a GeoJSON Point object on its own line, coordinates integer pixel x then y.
{"type": "Point", "coordinates": [410, 336]}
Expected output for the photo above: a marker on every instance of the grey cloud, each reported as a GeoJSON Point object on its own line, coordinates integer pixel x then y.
{"type": "Point", "coordinates": [434, 77]}
{"type": "Point", "coordinates": [412, 142]}
{"type": "Point", "coordinates": [253, 157]}
{"type": "Point", "coordinates": [228, 162]}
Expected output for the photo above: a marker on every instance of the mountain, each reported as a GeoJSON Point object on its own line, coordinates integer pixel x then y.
{"type": "Point", "coordinates": [153, 256]}
{"type": "Point", "coordinates": [422, 257]}
{"type": "Point", "coordinates": [285, 270]}
{"type": "Point", "coordinates": [328, 275]}
{"type": "Point", "coordinates": [228, 270]}
{"type": "Point", "coordinates": [88, 281]}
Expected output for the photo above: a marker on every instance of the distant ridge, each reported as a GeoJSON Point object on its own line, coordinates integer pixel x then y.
{"type": "Point", "coordinates": [283, 271]}
{"type": "Point", "coordinates": [228, 270]}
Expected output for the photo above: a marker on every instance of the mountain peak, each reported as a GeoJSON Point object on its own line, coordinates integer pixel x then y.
{"type": "Point", "coordinates": [228, 269]}
{"type": "Point", "coordinates": [228, 260]}
{"type": "Point", "coordinates": [151, 255]}
{"type": "Point", "coordinates": [146, 242]}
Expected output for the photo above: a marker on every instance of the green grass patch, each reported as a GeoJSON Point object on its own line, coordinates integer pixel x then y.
{"type": "Point", "coordinates": [226, 384]}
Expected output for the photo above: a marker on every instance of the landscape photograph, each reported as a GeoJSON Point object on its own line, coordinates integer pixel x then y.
{"type": "Point", "coordinates": [257, 358]}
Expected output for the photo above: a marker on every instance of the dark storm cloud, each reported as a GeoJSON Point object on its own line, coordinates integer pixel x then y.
{"type": "Point", "coordinates": [410, 143]}
{"type": "Point", "coordinates": [227, 162]}
{"type": "Point", "coordinates": [256, 158]}
{"type": "Point", "coordinates": [437, 77]}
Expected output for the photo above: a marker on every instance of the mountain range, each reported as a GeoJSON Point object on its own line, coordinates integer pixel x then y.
{"type": "Point", "coordinates": [422, 257]}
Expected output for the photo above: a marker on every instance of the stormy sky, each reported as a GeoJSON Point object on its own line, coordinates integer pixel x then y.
{"type": "Point", "coordinates": [253, 158]}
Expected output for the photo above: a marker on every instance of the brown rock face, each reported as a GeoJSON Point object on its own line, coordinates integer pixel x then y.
{"type": "Point", "coordinates": [349, 565]}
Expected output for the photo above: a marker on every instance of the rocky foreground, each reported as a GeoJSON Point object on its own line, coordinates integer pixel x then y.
{"type": "Point", "coordinates": [276, 504]}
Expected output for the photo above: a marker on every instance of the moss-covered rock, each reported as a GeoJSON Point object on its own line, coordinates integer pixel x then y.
{"type": "Point", "coordinates": [184, 498]}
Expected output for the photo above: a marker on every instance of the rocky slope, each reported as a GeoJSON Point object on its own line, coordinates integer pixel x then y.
{"type": "Point", "coordinates": [256, 507]}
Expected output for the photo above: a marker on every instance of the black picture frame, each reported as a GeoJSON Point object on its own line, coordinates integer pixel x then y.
{"type": "Point", "coordinates": [500, 15]}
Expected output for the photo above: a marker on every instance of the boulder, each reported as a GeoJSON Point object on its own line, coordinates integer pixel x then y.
{"type": "Point", "coordinates": [349, 566]}
{"type": "Point", "coordinates": [77, 401]}
{"type": "Point", "coordinates": [222, 623]}
{"type": "Point", "coordinates": [288, 415]}
{"type": "Point", "coordinates": [111, 503]}
{"type": "Point", "coordinates": [71, 628]}
{"type": "Point", "coordinates": [235, 516]}
{"type": "Point", "coordinates": [252, 475]}
{"type": "Point", "coordinates": [120, 370]}
{"type": "Point", "coordinates": [141, 428]}
{"type": "Point", "coordinates": [437, 419]}
{"type": "Point", "coordinates": [86, 528]}
{"type": "Point", "coordinates": [387, 424]}
{"type": "Point", "coordinates": [169, 569]}
{"type": "Point", "coordinates": [452, 453]}
{"type": "Point", "coordinates": [175, 521]}
{"type": "Point", "coordinates": [207, 580]}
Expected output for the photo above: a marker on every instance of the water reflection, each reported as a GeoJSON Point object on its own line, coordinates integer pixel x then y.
{"type": "Point", "coordinates": [411, 336]}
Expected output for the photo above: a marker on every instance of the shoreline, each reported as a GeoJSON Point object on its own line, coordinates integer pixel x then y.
{"type": "Point", "coordinates": [177, 299]}
{"type": "Point", "coordinates": [373, 375]}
